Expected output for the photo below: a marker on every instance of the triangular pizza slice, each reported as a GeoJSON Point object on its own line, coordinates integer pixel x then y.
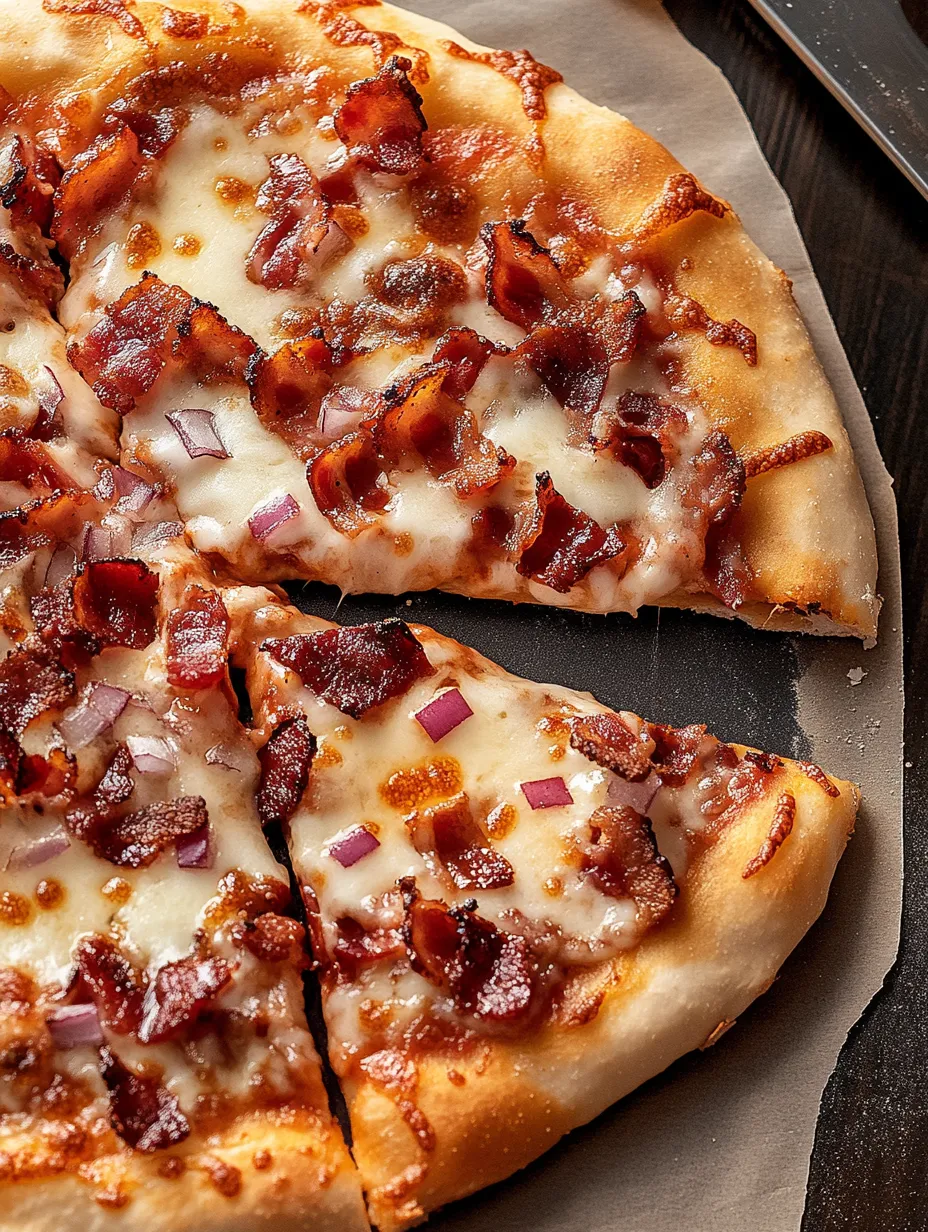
{"type": "Point", "coordinates": [523, 905]}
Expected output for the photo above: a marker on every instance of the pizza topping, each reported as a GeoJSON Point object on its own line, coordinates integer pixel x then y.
{"type": "Point", "coordinates": [443, 714]}
{"type": "Point", "coordinates": [355, 667]}
{"type": "Point", "coordinates": [612, 743]}
{"type": "Point", "coordinates": [818, 775]}
{"type": "Point", "coordinates": [274, 938]}
{"type": "Point", "coordinates": [39, 850]}
{"type": "Point", "coordinates": [27, 462]}
{"type": "Point", "coordinates": [381, 120]}
{"type": "Point", "coordinates": [133, 493]}
{"type": "Point", "coordinates": [288, 389]}
{"type": "Point", "coordinates": [179, 994]}
{"type": "Point", "coordinates": [143, 1112]}
{"type": "Point", "coordinates": [31, 682]}
{"type": "Point", "coordinates": [449, 837]}
{"type": "Point", "coordinates": [272, 514]}
{"type": "Point", "coordinates": [197, 640]}
{"type": "Point", "coordinates": [114, 985]}
{"type": "Point", "coordinates": [677, 750]}
{"type": "Point", "coordinates": [151, 754]}
{"type": "Point", "coordinates": [93, 186]}
{"type": "Point", "coordinates": [300, 221]}
{"type": "Point", "coordinates": [357, 947]}
{"type": "Point", "coordinates": [75, 1026]}
{"type": "Point", "coordinates": [348, 483]}
{"type": "Point", "coordinates": [721, 479]}
{"type": "Point", "coordinates": [96, 712]}
{"type": "Point", "coordinates": [546, 793]}
{"type": "Point", "coordinates": [523, 283]}
{"type": "Point", "coordinates": [463, 352]}
{"type": "Point", "coordinates": [196, 850]}
{"type": "Point", "coordinates": [780, 829]}
{"type": "Point", "coordinates": [197, 432]}
{"type": "Point", "coordinates": [285, 761]}
{"type": "Point", "coordinates": [353, 846]}
{"type": "Point", "coordinates": [622, 860]}
{"type": "Point", "coordinates": [115, 601]}
{"type": "Point", "coordinates": [135, 840]}
{"type": "Point", "coordinates": [558, 544]}
{"type": "Point", "coordinates": [28, 193]}
{"type": "Point", "coordinates": [47, 424]}
{"type": "Point", "coordinates": [341, 410]}
{"type": "Point", "coordinates": [572, 362]}
{"type": "Point", "coordinates": [803, 445]}
{"type": "Point", "coordinates": [681, 197]}
{"type": "Point", "coordinates": [642, 433]}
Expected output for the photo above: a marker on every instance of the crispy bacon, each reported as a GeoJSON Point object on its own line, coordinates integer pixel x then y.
{"type": "Point", "coordinates": [465, 352]}
{"type": "Point", "coordinates": [690, 314]}
{"type": "Point", "coordinates": [28, 193]}
{"type": "Point", "coordinates": [285, 761]}
{"type": "Point", "coordinates": [607, 740]}
{"type": "Point", "coordinates": [19, 536]}
{"type": "Point", "coordinates": [49, 776]}
{"type": "Point", "coordinates": [300, 219]}
{"type": "Point", "coordinates": [523, 283]}
{"type": "Point", "coordinates": [795, 449]}
{"type": "Point", "coordinates": [355, 667]}
{"type": "Point", "coordinates": [448, 834]}
{"type": "Point", "coordinates": [57, 624]}
{"type": "Point", "coordinates": [93, 186]}
{"type": "Point", "coordinates": [489, 973]}
{"type": "Point", "coordinates": [156, 126]}
{"type": "Point", "coordinates": [117, 784]}
{"type": "Point", "coordinates": [720, 474]}
{"type": "Point", "coordinates": [136, 839]}
{"type": "Point", "coordinates": [642, 434]}
{"type": "Point", "coordinates": [381, 120]}
{"type": "Point", "coordinates": [274, 938]}
{"type": "Point", "coordinates": [28, 462]}
{"type": "Point", "coordinates": [287, 388]}
{"type": "Point", "coordinates": [348, 483]}
{"type": "Point", "coordinates": [421, 419]}
{"type": "Point", "coordinates": [680, 197]}
{"type": "Point", "coordinates": [36, 278]}
{"type": "Point", "coordinates": [115, 601]}
{"type": "Point", "coordinates": [209, 346]}
{"type": "Point", "coordinates": [112, 983]}
{"type": "Point", "coordinates": [143, 1112]}
{"type": "Point", "coordinates": [623, 861]}
{"type": "Point", "coordinates": [780, 829]}
{"type": "Point", "coordinates": [32, 681]}
{"type": "Point", "coordinates": [181, 992]}
{"type": "Point", "coordinates": [727, 573]}
{"type": "Point", "coordinates": [197, 637]}
{"type": "Point", "coordinates": [572, 362]}
{"type": "Point", "coordinates": [676, 750]}
{"type": "Point", "coordinates": [558, 544]}
{"type": "Point", "coordinates": [357, 947]}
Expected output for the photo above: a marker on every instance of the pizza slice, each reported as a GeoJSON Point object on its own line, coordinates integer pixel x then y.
{"type": "Point", "coordinates": [523, 905]}
{"type": "Point", "coordinates": [476, 333]}
{"type": "Point", "coordinates": [156, 1070]}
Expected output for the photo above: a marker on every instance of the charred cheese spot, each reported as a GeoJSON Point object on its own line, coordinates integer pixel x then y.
{"type": "Point", "coordinates": [501, 820]}
{"type": "Point", "coordinates": [235, 192]}
{"type": "Point", "coordinates": [432, 780]}
{"type": "Point", "coordinates": [49, 893]}
{"type": "Point", "coordinates": [143, 244]}
{"type": "Point", "coordinates": [116, 890]}
{"type": "Point", "coordinates": [187, 245]}
{"type": "Point", "coordinates": [15, 909]}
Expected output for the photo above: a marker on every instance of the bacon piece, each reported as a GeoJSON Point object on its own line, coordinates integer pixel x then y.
{"type": "Point", "coordinates": [818, 775]}
{"type": "Point", "coordinates": [155, 126]}
{"type": "Point", "coordinates": [689, 313]}
{"type": "Point", "coordinates": [523, 283]}
{"type": "Point", "coordinates": [680, 197]}
{"type": "Point", "coordinates": [117, 784]}
{"type": "Point", "coordinates": [209, 345]}
{"type": "Point", "coordinates": [112, 982]}
{"type": "Point", "coordinates": [274, 938]}
{"type": "Point", "coordinates": [465, 352]}
{"type": "Point", "coordinates": [348, 483]}
{"type": "Point", "coordinates": [197, 637]}
{"type": "Point", "coordinates": [50, 776]}
{"type": "Point", "coordinates": [727, 573]}
{"type": "Point", "coordinates": [780, 829]}
{"type": "Point", "coordinates": [300, 220]}
{"type": "Point", "coordinates": [32, 681]}
{"type": "Point", "coordinates": [181, 992]}
{"type": "Point", "coordinates": [287, 388]}
{"type": "Point", "coordinates": [143, 1112]}
{"type": "Point", "coordinates": [93, 186]}
{"type": "Point", "coordinates": [795, 449]}
{"type": "Point", "coordinates": [355, 667]}
{"type": "Point", "coordinates": [489, 973]}
{"type": "Point", "coordinates": [28, 462]}
{"type": "Point", "coordinates": [114, 600]}
{"type": "Point", "coordinates": [285, 761]}
{"type": "Point", "coordinates": [36, 279]}
{"type": "Point", "coordinates": [57, 624]}
{"type": "Point", "coordinates": [28, 193]}
{"type": "Point", "coordinates": [448, 833]}
{"type": "Point", "coordinates": [720, 473]}
{"type": "Point", "coordinates": [358, 947]}
{"type": "Point", "coordinates": [135, 840]}
{"type": "Point", "coordinates": [642, 435]}
{"type": "Point", "coordinates": [676, 750]}
{"type": "Point", "coordinates": [558, 544]}
{"type": "Point", "coordinates": [420, 418]}
{"type": "Point", "coordinates": [572, 362]}
{"type": "Point", "coordinates": [623, 861]}
{"type": "Point", "coordinates": [18, 536]}
{"type": "Point", "coordinates": [607, 740]}
{"type": "Point", "coordinates": [381, 120]}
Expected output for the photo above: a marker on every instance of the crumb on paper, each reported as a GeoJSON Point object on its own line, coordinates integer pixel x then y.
{"type": "Point", "coordinates": [856, 675]}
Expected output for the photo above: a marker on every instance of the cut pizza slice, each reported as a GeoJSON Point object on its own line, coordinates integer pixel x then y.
{"type": "Point", "coordinates": [156, 1070]}
{"type": "Point", "coordinates": [493, 338]}
{"type": "Point", "coordinates": [523, 905]}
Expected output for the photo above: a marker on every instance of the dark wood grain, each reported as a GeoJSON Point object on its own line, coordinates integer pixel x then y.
{"type": "Point", "coordinates": [867, 233]}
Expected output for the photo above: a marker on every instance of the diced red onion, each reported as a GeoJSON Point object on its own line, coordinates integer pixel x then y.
{"type": "Point", "coordinates": [638, 796]}
{"type": "Point", "coordinates": [98, 710]}
{"type": "Point", "coordinates": [273, 513]}
{"type": "Point", "coordinates": [61, 565]}
{"type": "Point", "coordinates": [442, 715]}
{"type": "Point", "coordinates": [47, 426]}
{"type": "Point", "coordinates": [151, 754]}
{"type": "Point", "coordinates": [135, 494]}
{"type": "Point", "coordinates": [39, 850]}
{"type": "Point", "coordinates": [197, 431]}
{"type": "Point", "coordinates": [150, 534]}
{"type": "Point", "coordinates": [546, 793]}
{"type": "Point", "coordinates": [75, 1026]}
{"type": "Point", "coordinates": [97, 543]}
{"type": "Point", "coordinates": [354, 846]}
{"type": "Point", "coordinates": [230, 757]}
{"type": "Point", "coordinates": [195, 850]}
{"type": "Point", "coordinates": [340, 412]}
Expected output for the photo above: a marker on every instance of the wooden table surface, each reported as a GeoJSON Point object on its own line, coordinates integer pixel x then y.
{"type": "Point", "coordinates": [867, 232]}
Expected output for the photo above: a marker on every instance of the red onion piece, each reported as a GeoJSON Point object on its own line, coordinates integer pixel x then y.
{"type": "Point", "coordinates": [97, 543]}
{"type": "Point", "coordinates": [98, 710]}
{"type": "Point", "coordinates": [273, 513]}
{"type": "Point", "coordinates": [638, 796]}
{"type": "Point", "coordinates": [61, 565]}
{"type": "Point", "coordinates": [149, 535]}
{"type": "Point", "coordinates": [75, 1026]}
{"type": "Point", "coordinates": [151, 754]}
{"type": "Point", "coordinates": [50, 397]}
{"type": "Point", "coordinates": [39, 850]}
{"type": "Point", "coordinates": [341, 411]}
{"type": "Point", "coordinates": [442, 715]}
{"type": "Point", "coordinates": [230, 757]}
{"type": "Point", "coordinates": [197, 431]}
{"type": "Point", "coordinates": [353, 846]}
{"type": "Point", "coordinates": [546, 793]}
{"type": "Point", "coordinates": [135, 493]}
{"type": "Point", "coordinates": [195, 850]}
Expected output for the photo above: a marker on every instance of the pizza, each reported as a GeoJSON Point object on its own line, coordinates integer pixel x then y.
{"type": "Point", "coordinates": [523, 905]}
{"type": "Point", "coordinates": [391, 311]}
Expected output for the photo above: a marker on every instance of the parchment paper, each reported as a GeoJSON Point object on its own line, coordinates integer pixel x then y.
{"type": "Point", "coordinates": [722, 1140]}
